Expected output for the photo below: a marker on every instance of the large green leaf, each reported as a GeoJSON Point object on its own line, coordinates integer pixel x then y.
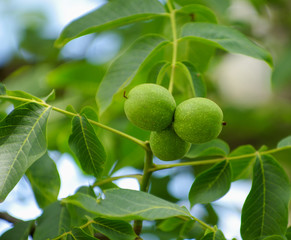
{"type": "Point", "coordinates": [113, 14]}
{"type": "Point", "coordinates": [218, 235]}
{"type": "Point", "coordinates": [265, 211]}
{"type": "Point", "coordinates": [44, 180]}
{"type": "Point", "coordinates": [114, 229]}
{"type": "Point", "coordinates": [20, 231]}
{"type": "Point", "coordinates": [225, 38]}
{"type": "Point", "coordinates": [241, 167]}
{"type": "Point", "coordinates": [22, 142]}
{"type": "Point", "coordinates": [87, 147]}
{"type": "Point", "coordinates": [197, 13]}
{"type": "Point", "coordinates": [211, 184]}
{"type": "Point", "coordinates": [127, 205]}
{"type": "Point", "coordinates": [125, 66]}
{"type": "Point", "coordinates": [54, 221]}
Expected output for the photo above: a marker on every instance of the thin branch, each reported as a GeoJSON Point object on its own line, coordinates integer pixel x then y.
{"type": "Point", "coordinates": [108, 180]}
{"type": "Point", "coordinates": [7, 217]}
{"type": "Point", "coordinates": [129, 137]}
{"type": "Point", "coordinates": [215, 160]}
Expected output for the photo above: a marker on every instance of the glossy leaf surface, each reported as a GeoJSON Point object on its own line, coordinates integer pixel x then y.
{"type": "Point", "coordinates": [54, 221]}
{"type": "Point", "coordinates": [114, 13]}
{"type": "Point", "coordinates": [125, 66]}
{"type": "Point", "coordinates": [114, 229]}
{"type": "Point", "coordinates": [265, 211]}
{"type": "Point", "coordinates": [225, 38]}
{"type": "Point", "coordinates": [211, 184]}
{"type": "Point", "coordinates": [87, 147]}
{"type": "Point", "coordinates": [45, 180]}
{"type": "Point", "coordinates": [127, 205]}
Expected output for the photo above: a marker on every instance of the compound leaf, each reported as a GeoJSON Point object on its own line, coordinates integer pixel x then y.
{"type": "Point", "coordinates": [44, 180]}
{"type": "Point", "coordinates": [211, 184]}
{"type": "Point", "coordinates": [225, 38]}
{"type": "Point", "coordinates": [87, 147]}
{"type": "Point", "coordinates": [128, 205]}
{"type": "Point", "coordinates": [265, 211]}
{"type": "Point", "coordinates": [125, 66]}
{"type": "Point", "coordinates": [114, 229]}
{"type": "Point", "coordinates": [22, 142]}
{"type": "Point", "coordinates": [113, 14]}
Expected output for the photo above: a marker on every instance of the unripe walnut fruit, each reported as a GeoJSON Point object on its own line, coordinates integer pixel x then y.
{"type": "Point", "coordinates": [167, 145]}
{"type": "Point", "coordinates": [198, 120]}
{"type": "Point", "coordinates": [150, 107]}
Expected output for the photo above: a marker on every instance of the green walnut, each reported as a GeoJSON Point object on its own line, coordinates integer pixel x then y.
{"type": "Point", "coordinates": [198, 120]}
{"type": "Point", "coordinates": [150, 107]}
{"type": "Point", "coordinates": [167, 145]}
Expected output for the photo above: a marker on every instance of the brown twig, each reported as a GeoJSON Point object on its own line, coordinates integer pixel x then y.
{"type": "Point", "coordinates": [7, 217]}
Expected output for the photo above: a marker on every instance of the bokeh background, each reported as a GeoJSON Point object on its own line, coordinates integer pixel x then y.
{"type": "Point", "coordinates": [256, 100]}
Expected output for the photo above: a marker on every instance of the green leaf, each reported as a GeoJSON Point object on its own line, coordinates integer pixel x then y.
{"type": "Point", "coordinates": [274, 237]}
{"type": "Point", "coordinates": [225, 38]}
{"type": "Point", "coordinates": [22, 142]}
{"type": "Point", "coordinates": [241, 167]}
{"type": "Point", "coordinates": [288, 233]}
{"type": "Point", "coordinates": [44, 180]}
{"type": "Point", "coordinates": [113, 14]}
{"type": "Point", "coordinates": [20, 231]}
{"type": "Point", "coordinates": [85, 144]}
{"type": "Point", "coordinates": [218, 235]}
{"type": "Point", "coordinates": [216, 147]}
{"type": "Point", "coordinates": [79, 75]}
{"type": "Point", "coordinates": [50, 97]}
{"type": "Point", "coordinates": [114, 229]}
{"type": "Point", "coordinates": [286, 142]}
{"type": "Point", "coordinates": [282, 71]}
{"type": "Point", "coordinates": [21, 94]}
{"type": "Point", "coordinates": [170, 224]}
{"type": "Point", "coordinates": [80, 234]}
{"type": "Point", "coordinates": [54, 221]}
{"type": "Point", "coordinates": [90, 113]}
{"type": "Point", "coordinates": [265, 211]}
{"type": "Point", "coordinates": [128, 205]}
{"type": "Point", "coordinates": [197, 81]}
{"type": "Point", "coordinates": [200, 13]}
{"type": "Point", "coordinates": [195, 52]}
{"type": "Point", "coordinates": [211, 184]}
{"type": "Point", "coordinates": [125, 67]}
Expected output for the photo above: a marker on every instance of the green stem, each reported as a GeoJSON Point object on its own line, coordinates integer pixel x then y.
{"type": "Point", "coordinates": [108, 180]}
{"type": "Point", "coordinates": [131, 138]}
{"type": "Point", "coordinates": [204, 224]}
{"type": "Point", "coordinates": [175, 45]}
{"type": "Point", "coordinates": [215, 160]}
{"type": "Point", "coordinates": [137, 226]}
